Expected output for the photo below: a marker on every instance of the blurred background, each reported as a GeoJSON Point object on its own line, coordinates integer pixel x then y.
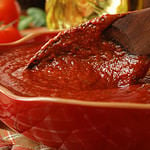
{"type": "Point", "coordinates": [32, 3]}
{"type": "Point", "coordinates": [62, 14]}
{"type": "Point", "coordinates": [41, 3]}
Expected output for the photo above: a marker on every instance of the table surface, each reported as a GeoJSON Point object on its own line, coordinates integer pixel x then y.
{"type": "Point", "coordinates": [10, 140]}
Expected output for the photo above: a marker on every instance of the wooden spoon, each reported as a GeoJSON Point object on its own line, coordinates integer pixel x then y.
{"type": "Point", "coordinates": [132, 31]}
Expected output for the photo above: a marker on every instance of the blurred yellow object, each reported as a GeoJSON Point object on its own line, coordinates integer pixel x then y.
{"type": "Point", "coordinates": [140, 4]}
{"type": "Point", "coordinates": [66, 13]}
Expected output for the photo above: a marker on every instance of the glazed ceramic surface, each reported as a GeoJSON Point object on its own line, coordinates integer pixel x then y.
{"type": "Point", "coordinates": [78, 126]}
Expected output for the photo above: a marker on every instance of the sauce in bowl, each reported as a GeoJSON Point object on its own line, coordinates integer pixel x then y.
{"type": "Point", "coordinates": [94, 71]}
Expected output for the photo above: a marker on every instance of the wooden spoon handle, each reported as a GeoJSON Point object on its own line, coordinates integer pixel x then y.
{"type": "Point", "coordinates": [132, 31]}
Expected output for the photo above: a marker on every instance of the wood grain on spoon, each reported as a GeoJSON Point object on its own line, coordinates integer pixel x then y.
{"type": "Point", "coordinates": [132, 31]}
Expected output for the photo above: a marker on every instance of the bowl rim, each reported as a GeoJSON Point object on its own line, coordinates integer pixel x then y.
{"type": "Point", "coordinates": [102, 104]}
{"type": "Point", "coordinates": [29, 36]}
{"type": "Point", "coordinates": [125, 105]}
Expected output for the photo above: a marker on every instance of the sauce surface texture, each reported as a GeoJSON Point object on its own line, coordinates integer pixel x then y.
{"type": "Point", "coordinates": [85, 67]}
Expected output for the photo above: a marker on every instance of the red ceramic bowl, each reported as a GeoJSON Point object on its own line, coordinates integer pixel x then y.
{"type": "Point", "coordinates": [76, 125]}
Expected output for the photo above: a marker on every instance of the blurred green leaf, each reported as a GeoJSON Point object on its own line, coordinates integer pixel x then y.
{"type": "Point", "coordinates": [25, 22]}
{"type": "Point", "coordinates": [38, 15]}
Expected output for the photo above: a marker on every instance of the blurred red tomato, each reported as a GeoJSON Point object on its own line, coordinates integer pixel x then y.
{"type": "Point", "coordinates": [9, 11]}
{"type": "Point", "coordinates": [9, 34]}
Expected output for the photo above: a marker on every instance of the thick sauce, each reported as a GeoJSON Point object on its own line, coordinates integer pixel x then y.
{"type": "Point", "coordinates": [95, 71]}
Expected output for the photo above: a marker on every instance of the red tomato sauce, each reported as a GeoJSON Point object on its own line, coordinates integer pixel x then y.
{"type": "Point", "coordinates": [96, 71]}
